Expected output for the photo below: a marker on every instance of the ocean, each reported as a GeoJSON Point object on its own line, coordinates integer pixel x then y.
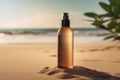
{"type": "Point", "coordinates": [81, 35]}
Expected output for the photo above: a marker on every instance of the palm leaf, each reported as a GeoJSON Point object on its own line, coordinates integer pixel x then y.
{"type": "Point", "coordinates": [108, 37]}
{"type": "Point", "coordinates": [116, 38]}
{"type": "Point", "coordinates": [89, 20]}
{"type": "Point", "coordinates": [105, 6]}
{"type": "Point", "coordinates": [112, 24]}
{"type": "Point", "coordinates": [90, 14]}
{"type": "Point", "coordinates": [118, 29]}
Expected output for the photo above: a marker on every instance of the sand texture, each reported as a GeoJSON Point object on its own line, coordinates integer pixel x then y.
{"type": "Point", "coordinates": [39, 62]}
{"type": "Point", "coordinates": [77, 73]}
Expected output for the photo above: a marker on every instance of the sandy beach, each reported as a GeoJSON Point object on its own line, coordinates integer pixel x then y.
{"type": "Point", "coordinates": [35, 61]}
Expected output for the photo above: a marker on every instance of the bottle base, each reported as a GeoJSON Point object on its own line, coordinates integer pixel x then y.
{"type": "Point", "coordinates": [64, 67]}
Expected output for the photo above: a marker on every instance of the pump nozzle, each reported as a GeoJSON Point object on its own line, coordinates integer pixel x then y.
{"type": "Point", "coordinates": [66, 16]}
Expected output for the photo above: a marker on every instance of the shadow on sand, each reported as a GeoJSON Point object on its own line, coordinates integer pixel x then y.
{"type": "Point", "coordinates": [77, 73]}
{"type": "Point", "coordinates": [102, 49]}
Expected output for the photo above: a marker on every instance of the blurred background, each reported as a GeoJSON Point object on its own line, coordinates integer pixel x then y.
{"type": "Point", "coordinates": [37, 21]}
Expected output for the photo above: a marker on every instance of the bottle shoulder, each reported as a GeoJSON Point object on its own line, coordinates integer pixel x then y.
{"type": "Point", "coordinates": [65, 30]}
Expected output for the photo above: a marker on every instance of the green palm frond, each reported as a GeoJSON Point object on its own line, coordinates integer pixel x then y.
{"type": "Point", "coordinates": [108, 21]}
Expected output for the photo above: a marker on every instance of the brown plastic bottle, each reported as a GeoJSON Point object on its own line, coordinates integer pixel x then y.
{"type": "Point", "coordinates": [65, 44]}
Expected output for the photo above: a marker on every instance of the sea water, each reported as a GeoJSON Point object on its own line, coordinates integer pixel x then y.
{"type": "Point", "coordinates": [81, 35]}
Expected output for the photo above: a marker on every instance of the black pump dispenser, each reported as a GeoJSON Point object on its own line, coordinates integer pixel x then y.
{"type": "Point", "coordinates": [65, 21]}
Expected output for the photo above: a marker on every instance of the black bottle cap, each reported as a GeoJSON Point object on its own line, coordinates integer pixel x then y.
{"type": "Point", "coordinates": [66, 21]}
{"type": "Point", "coordinates": [66, 16]}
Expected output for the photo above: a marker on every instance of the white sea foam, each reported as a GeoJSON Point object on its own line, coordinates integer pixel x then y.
{"type": "Point", "coordinates": [48, 36]}
{"type": "Point", "coordinates": [46, 39]}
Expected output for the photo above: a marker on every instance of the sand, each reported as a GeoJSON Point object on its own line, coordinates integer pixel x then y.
{"type": "Point", "coordinates": [39, 62]}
